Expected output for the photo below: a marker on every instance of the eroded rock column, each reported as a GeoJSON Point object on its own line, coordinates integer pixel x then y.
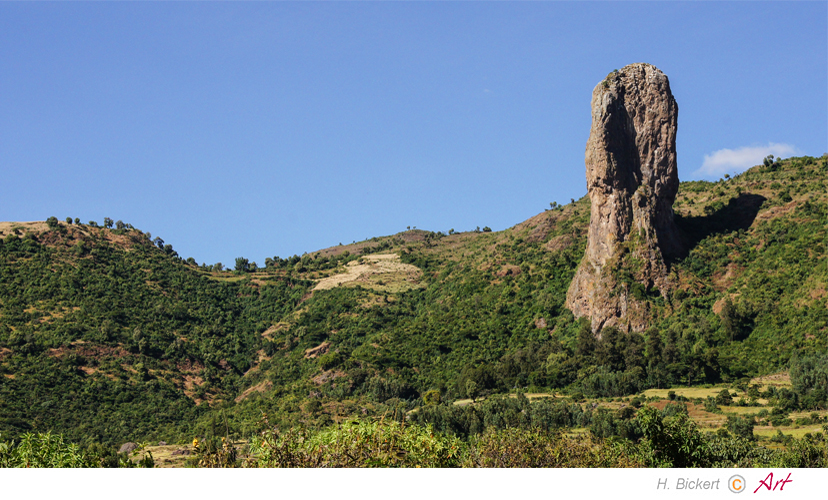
{"type": "Point", "coordinates": [632, 180]}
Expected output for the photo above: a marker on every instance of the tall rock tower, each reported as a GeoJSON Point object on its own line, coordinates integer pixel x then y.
{"type": "Point", "coordinates": [632, 180]}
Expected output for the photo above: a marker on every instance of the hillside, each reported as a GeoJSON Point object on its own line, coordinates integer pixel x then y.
{"type": "Point", "coordinates": [107, 335]}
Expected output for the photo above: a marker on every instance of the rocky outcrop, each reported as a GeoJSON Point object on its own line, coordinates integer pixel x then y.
{"type": "Point", "coordinates": [632, 180]}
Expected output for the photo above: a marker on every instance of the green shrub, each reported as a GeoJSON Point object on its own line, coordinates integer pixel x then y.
{"type": "Point", "coordinates": [385, 443]}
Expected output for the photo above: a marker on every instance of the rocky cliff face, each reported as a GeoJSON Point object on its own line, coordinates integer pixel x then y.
{"type": "Point", "coordinates": [632, 180]}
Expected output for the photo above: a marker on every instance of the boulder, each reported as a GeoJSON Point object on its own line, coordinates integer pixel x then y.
{"type": "Point", "coordinates": [127, 448]}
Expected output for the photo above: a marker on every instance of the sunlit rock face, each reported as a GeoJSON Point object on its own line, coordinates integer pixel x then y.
{"type": "Point", "coordinates": [632, 180]}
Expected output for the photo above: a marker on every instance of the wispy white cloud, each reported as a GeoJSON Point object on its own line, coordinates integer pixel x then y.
{"type": "Point", "coordinates": [735, 161]}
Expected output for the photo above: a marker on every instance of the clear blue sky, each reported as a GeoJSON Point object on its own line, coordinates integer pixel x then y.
{"type": "Point", "coordinates": [262, 129]}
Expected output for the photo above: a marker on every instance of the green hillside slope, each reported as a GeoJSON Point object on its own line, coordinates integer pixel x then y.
{"type": "Point", "coordinates": [107, 337]}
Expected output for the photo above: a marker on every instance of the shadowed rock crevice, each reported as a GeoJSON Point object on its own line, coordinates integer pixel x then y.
{"type": "Point", "coordinates": [632, 178]}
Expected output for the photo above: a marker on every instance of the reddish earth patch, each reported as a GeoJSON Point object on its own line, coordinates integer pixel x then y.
{"type": "Point", "coordinates": [261, 387]}
{"type": "Point", "coordinates": [268, 334]}
{"type": "Point", "coordinates": [723, 281]}
{"type": "Point", "coordinates": [540, 225]}
{"type": "Point", "coordinates": [82, 348]}
{"type": "Point", "coordinates": [774, 212]}
{"type": "Point", "coordinates": [818, 292]}
{"type": "Point", "coordinates": [508, 270]}
{"type": "Point", "coordinates": [190, 384]}
{"type": "Point", "coordinates": [327, 376]}
{"type": "Point", "coordinates": [702, 417]}
{"type": "Point", "coordinates": [559, 243]}
{"type": "Point", "coordinates": [318, 350]}
{"type": "Point", "coordinates": [255, 367]}
{"type": "Point", "coordinates": [189, 367]}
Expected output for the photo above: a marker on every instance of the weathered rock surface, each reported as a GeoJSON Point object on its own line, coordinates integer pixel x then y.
{"type": "Point", "coordinates": [632, 180]}
{"type": "Point", "coordinates": [127, 447]}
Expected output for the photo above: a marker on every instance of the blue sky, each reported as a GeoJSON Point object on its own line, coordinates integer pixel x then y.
{"type": "Point", "coordinates": [262, 129]}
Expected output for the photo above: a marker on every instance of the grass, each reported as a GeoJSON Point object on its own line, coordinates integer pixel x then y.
{"type": "Point", "coordinates": [380, 272]}
{"type": "Point", "coordinates": [689, 392]}
{"type": "Point", "coordinates": [796, 431]}
{"type": "Point", "coordinates": [741, 410]}
{"type": "Point", "coordinates": [781, 379]}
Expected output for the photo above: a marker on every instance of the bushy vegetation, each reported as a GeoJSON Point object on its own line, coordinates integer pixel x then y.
{"type": "Point", "coordinates": [107, 335]}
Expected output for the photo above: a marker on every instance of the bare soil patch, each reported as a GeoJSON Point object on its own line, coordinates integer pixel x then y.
{"type": "Point", "coordinates": [327, 376]}
{"type": "Point", "coordinates": [318, 350]}
{"type": "Point", "coordinates": [261, 387]}
{"type": "Point", "coordinates": [380, 271]}
{"type": "Point", "coordinates": [7, 228]}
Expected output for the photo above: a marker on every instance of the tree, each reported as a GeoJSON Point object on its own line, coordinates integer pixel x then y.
{"type": "Point", "coordinates": [108, 222]}
{"type": "Point", "coordinates": [120, 225]}
{"type": "Point", "coordinates": [724, 398]}
{"type": "Point", "coordinates": [655, 357]}
{"type": "Point", "coordinates": [610, 349]}
{"type": "Point", "coordinates": [471, 390]}
{"type": "Point", "coordinates": [52, 222]}
{"type": "Point", "coordinates": [241, 264]}
{"type": "Point", "coordinates": [741, 427]}
{"type": "Point", "coordinates": [634, 351]}
{"type": "Point", "coordinates": [675, 439]}
{"type": "Point", "coordinates": [77, 221]}
{"type": "Point", "coordinates": [218, 266]}
{"type": "Point", "coordinates": [159, 242]}
{"type": "Point", "coordinates": [69, 220]}
{"type": "Point", "coordinates": [654, 347]}
{"type": "Point", "coordinates": [585, 347]}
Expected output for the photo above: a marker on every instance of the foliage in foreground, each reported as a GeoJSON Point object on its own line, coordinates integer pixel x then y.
{"type": "Point", "coordinates": [659, 438]}
{"type": "Point", "coordinates": [666, 439]}
{"type": "Point", "coordinates": [47, 450]}
{"type": "Point", "coordinates": [356, 444]}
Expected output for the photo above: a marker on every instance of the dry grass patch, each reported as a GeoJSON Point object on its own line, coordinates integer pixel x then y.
{"type": "Point", "coordinates": [268, 334]}
{"type": "Point", "coordinates": [796, 431]}
{"type": "Point", "coordinates": [687, 392]}
{"type": "Point", "coordinates": [781, 379]}
{"type": "Point", "coordinates": [261, 388]}
{"type": "Point", "coordinates": [378, 272]}
{"type": "Point", "coordinates": [170, 456]}
{"type": "Point", "coordinates": [702, 417]}
{"type": "Point", "coordinates": [741, 410]}
{"type": "Point", "coordinates": [806, 414]}
{"type": "Point", "coordinates": [7, 228]}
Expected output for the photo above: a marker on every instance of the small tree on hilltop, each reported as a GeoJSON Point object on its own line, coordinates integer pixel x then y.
{"type": "Point", "coordinates": [241, 264]}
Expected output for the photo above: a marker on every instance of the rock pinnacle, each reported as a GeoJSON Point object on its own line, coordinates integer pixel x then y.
{"type": "Point", "coordinates": [632, 180]}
